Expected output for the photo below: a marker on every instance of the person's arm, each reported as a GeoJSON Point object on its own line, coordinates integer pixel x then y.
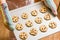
{"type": "Point", "coordinates": [6, 16]}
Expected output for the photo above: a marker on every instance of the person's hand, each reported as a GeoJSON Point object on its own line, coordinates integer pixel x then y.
{"type": "Point", "coordinates": [52, 4]}
{"type": "Point", "coordinates": [7, 20]}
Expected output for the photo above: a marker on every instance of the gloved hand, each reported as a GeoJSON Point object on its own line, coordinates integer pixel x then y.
{"type": "Point", "coordinates": [52, 4]}
{"type": "Point", "coordinates": [7, 19]}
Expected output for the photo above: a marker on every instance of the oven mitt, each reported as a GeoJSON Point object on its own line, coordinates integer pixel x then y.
{"type": "Point", "coordinates": [6, 16]}
{"type": "Point", "coordinates": [52, 6]}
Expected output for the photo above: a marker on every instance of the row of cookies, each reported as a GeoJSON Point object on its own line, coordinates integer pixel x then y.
{"type": "Point", "coordinates": [20, 26]}
{"type": "Point", "coordinates": [38, 20]}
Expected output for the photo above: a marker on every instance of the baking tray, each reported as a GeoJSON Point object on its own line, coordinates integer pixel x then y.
{"type": "Point", "coordinates": [36, 6]}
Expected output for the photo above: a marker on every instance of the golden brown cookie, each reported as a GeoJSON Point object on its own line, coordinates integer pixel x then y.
{"type": "Point", "coordinates": [33, 32]}
{"type": "Point", "coordinates": [23, 35]}
{"type": "Point", "coordinates": [43, 9]}
{"type": "Point", "coordinates": [47, 17]}
{"type": "Point", "coordinates": [15, 19]}
{"type": "Point", "coordinates": [29, 23]}
{"type": "Point", "coordinates": [24, 16]}
{"type": "Point", "coordinates": [19, 26]}
{"type": "Point", "coordinates": [52, 25]}
{"type": "Point", "coordinates": [38, 20]}
{"type": "Point", "coordinates": [34, 13]}
{"type": "Point", "coordinates": [43, 28]}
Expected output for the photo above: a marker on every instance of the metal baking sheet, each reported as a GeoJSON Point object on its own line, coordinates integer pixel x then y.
{"type": "Point", "coordinates": [28, 10]}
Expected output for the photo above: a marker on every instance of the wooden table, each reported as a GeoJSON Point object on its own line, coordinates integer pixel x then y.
{"type": "Point", "coordinates": [6, 34]}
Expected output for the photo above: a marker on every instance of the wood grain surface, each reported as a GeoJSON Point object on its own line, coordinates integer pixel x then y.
{"type": "Point", "coordinates": [6, 34]}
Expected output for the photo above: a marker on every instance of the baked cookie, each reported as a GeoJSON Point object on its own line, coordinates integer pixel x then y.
{"type": "Point", "coordinates": [43, 28]}
{"type": "Point", "coordinates": [24, 16]}
{"type": "Point", "coordinates": [15, 19]}
{"type": "Point", "coordinates": [43, 9]}
{"type": "Point", "coordinates": [34, 13]}
{"type": "Point", "coordinates": [19, 26]}
{"type": "Point", "coordinates": [52, 25]}
{"type": "Point", "coordinates": [23, 35]}
{"type": "Point", "coordinates": [29, 23]}
{"type": "Point", "coordinates": [33, 32]}
{"type": "Point", "coordinates": [47, 17]}
{"type": "Point", "coordinates": [38, 20]}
